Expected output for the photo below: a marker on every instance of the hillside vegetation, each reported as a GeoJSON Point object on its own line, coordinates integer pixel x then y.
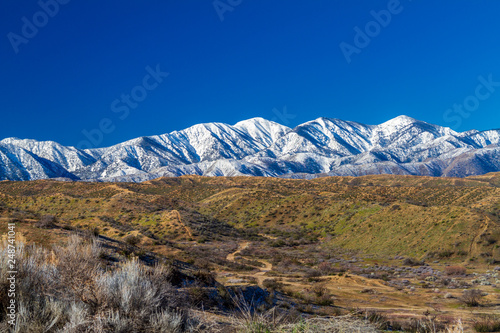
{"type": "Point", "coordinates": [389, 215]}
{"type": "Point", "coordinates": [400, 252]}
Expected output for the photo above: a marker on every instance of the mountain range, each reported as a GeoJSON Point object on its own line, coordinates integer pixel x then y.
{"type": "Point", "coordinates": [259, 147]}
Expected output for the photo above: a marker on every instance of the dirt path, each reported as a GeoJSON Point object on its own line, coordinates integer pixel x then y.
{"type": "Point", "coordinates": [182, 224]}
{"type": "Point", "coordinates": [268, 236]}
{"type": "Point", "coordinates": [241, 247]}
{"type": "Point", "coordinates": [119, 188]}
{"type": "Point", "coordinates": [259, 276]}
{"type": "Point", "coordinates": [484, 229]}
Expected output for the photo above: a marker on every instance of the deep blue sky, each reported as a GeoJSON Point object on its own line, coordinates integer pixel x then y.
{"type": "Point", "coordinates": [263, 55]}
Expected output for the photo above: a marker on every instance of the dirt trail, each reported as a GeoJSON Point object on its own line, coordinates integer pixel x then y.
{"type": "Point", "coordinates": [241, 246]}
{"type": "Point", "coordinates": [473, 248]}
{"type": "Point", "coordinates": [119, 188]}
{"type": "Point", "coordinates": [182, 224]}
{"type": "Point", "coordinates": [268, 236]}
{"type": "Point", "coordinates": [259, 276]}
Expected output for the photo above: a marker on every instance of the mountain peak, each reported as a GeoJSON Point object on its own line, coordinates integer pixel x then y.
{"type": "Point", "coordinates": [400, 120]}
{"type": "Point", "coordinates": [260, 147]}
{"type": "Point", "coordinates": [253, 120]}
{"type": "Point", "coordinates": [405, 118]}
{"type": "Point", "coordinates": [262, 130]}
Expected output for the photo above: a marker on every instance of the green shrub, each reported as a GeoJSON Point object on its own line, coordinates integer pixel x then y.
{"type": "Point", "coordinates": [132, 240]}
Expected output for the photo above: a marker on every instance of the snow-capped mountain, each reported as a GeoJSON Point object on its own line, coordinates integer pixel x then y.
{"type": "Point", "coordinates": [258, 147]}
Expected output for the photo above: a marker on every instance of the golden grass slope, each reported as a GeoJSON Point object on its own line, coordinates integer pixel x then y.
{"type": "Point", "coordinates": [383, 214]}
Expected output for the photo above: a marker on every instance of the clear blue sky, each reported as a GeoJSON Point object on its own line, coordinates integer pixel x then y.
{"type": "Point", "coordinates": [262, 55]}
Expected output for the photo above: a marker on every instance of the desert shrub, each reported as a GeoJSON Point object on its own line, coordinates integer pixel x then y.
{"type": "Point", "coordinates": [46, 221]}
{"type": "Point", "coordinates": [312, 273]}
{"type": "Point", "coordinates": [78, 267]}
{"type": "Point", "coordinates": [96, 231]}
{"type": "Point", "coordinates": [167, 321]}
{"type": "Point", "coordinates": [132, 240]}
{"type": "Point", "coordinates": [319, 290]}
{"type": "Point", "coordinates": [487, 324]}
{"type": "Point", "coordinates": [247, 319]}
{"type": "Point", "coordinates": [445, 254]}
{"type": "Point", "coordinates": [278, 243]}
{"type": "Point", "coordinates": [329, 325]}
{"type": "Point", "coordinates": [36, 313]}
{"type": "Point", "coordinates": [471, 297]}
{"type": "Point", "coordinates": [412, 262]}
{"type": "Point", "coordinates": [69, 290]}
{"type": "Point", "coordinates": [324, 300]}
{"type": "Point", "coordinates": [319, 295]}
{"type": "Point", "coordinates": [455, 270]}
{"type": "Point", "coordinates": [326, 268]}
{"type": "Point", "coordinates": [134, 291]}
{"type": "Point", "coordinates": [377, 319]}
{"type": "Point", "coordinates": [422, 325]}
{"type": "Point", "coordinates": [272, 284]}
{"type": "Point", "coordinates": [202, 263]}
{"type": "Point", "coordinates": [491, 240]}
{"type": "Point", "coordinates": [199, 296]}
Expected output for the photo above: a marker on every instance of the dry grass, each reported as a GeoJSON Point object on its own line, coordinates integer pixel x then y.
{"type": "Point", "coordinates": [68, 290]}
{"type": "Point", "coordinates": [455, 270]}
{"type": "Point", "coordinates": [312, 230]}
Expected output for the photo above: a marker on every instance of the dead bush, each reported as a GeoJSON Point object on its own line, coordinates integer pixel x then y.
{"type": "Point", "coordinates": [46, 222]}
{"type": "Point", "coordinates": [455, 270]}
{"type": "Point", "coordinates": [272, 284]}
{"type": "Point", "coordinates": [413, 262]}
{"type": "Point", "coordinates": [487, 323]}
{"type": "Point", "coordinates": [79, 269]}
{"type": "Point", "coordinates": [471, 297]}
{"type": "Point", "coordinates": [326, 268]}
{"type": "Point", "coordinates": [68, 290]}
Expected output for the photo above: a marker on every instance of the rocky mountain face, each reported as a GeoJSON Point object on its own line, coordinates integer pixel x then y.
{"type": "Point", "coordinates": [258, 147]}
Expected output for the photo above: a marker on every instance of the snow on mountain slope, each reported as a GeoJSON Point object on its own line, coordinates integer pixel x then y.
{"type": "Point", "coordinates": [486, 138]}
{"type": "Point", "coordinates": [213, 141]}
{"type": "Point", "coordinates": [262, 131]}
{"type": "Point", "coordinates": [258, 147]}
{"type": "Point", "coordinates": [323, 136]}
{"type": "Point", "coordinates": [17, 163]}
{"type": "Point", "coordinates": [68, 157]}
